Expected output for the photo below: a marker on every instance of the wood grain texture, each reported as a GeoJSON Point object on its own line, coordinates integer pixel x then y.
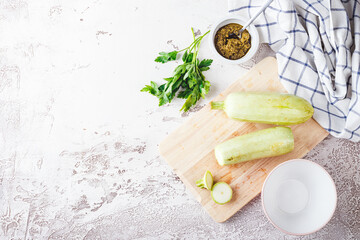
{"type": "Point", "coordinates": [189, 150]}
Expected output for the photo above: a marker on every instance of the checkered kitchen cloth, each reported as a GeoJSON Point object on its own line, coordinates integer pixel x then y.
{"type": "Point", "coordinates": [317, 44]}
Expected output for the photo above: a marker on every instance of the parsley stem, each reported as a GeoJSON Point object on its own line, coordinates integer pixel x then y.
{"type": "Point", "coordinates": [191, 45]}
{"type": "Point", "coordinates": [196, 44]}
{"type": "Point", "coordinates": [196, 41]}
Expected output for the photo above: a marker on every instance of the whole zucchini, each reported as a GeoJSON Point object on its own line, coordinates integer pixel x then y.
{"type": "Point", "coordinates": [260, 144]}
{"type": "Point", "coordinates": [266, 107]}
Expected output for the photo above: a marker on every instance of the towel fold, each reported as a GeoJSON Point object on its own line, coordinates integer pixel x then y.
{"type": "Point", "coordinates": [317, 45]}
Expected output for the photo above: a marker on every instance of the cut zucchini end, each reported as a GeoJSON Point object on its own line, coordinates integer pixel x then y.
{"type": "Point", "coordinates": [205, 182]}
{"type": "Point", "coordinates": [221, 193]}
{"type": "Point", "coordinates": [208, 180]}
{"type": "Point", "coordinates": [200, 183]}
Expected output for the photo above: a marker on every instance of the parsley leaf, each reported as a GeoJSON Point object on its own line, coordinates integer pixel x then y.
{"type": "Point", "coordinates": [152, 89]}
{"type": "Point", "coordinates": [185, 55]}
{"type": "Point", "coordinates": [205, 63]}
{"type": "Point", "coordinates": [191, 100]}
{"type": "Point", "coordinates": [166, 57]}
{"type": "Point", "coordinates": [184, 94]}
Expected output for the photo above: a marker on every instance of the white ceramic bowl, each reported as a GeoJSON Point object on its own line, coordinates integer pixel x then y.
{"type": "Point", "coordinates": [299, 197]}
{"type": "Point", "coordinates": [253, 34]}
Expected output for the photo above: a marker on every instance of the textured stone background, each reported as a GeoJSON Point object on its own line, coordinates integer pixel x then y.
{"type": "Point", "coordinates": [78, 141]}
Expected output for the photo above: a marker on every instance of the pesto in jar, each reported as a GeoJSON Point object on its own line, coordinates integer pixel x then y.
{"type": "Point", "coordinates": [229, 45]}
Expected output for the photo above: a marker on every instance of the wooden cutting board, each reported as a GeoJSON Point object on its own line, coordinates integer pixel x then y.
{"type": "Point", "coordinates": [189, 150]}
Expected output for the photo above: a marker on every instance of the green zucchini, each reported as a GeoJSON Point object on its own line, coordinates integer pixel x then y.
{"type": "Point", "coordinates": [268, 142]}
{"type": "Point", "coordinates": [266, 107]}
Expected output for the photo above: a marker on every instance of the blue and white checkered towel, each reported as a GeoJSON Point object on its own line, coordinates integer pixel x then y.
{"type": "Point", "coordinates": [317, 45]}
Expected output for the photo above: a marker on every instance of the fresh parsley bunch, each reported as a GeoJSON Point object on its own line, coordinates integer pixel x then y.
{"type": "Point", "coordinates": [187, 77]}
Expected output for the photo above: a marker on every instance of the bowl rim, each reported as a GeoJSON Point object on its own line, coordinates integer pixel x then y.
{"type": "Point", "coordinates": [254, 35]}
{"type": "Point", "coordinates": [263, 205]}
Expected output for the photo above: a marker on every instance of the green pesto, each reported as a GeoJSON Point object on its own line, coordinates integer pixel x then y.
{"type": "Point", "coordinates": [230, 46]}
